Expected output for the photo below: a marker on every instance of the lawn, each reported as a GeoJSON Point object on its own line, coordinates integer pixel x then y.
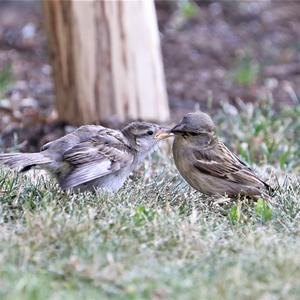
{"type": "Point", "coordinates": [157, 238]}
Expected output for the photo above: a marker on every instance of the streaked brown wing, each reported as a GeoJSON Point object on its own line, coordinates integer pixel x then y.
{"type": "Point", "coordinates": [98, 157]}
{"type": "Point", "coordinates": [80, 135]}
{"type": "Point", "coordinates": [219, 162]}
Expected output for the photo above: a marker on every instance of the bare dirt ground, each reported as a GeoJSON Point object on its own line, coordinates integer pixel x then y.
{"type": "Point", "coordinates": [230, 50]}
{"type": "Point", "coordinates": [213, 51]}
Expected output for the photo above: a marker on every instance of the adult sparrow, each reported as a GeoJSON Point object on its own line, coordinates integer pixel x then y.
{"type": "Point", "coordinates": [207, 164]}
{"type": "Point", "coordinates": [92, 156]}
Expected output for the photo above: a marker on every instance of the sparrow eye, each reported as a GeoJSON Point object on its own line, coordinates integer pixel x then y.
{"type": "Point", "coordinates": [150, 132]}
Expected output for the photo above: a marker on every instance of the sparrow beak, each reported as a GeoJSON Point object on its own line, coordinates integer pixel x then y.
{"type": "Point", "coordinates": [178, 128]}
{"type": "Point", "coordinates": [163, 133]}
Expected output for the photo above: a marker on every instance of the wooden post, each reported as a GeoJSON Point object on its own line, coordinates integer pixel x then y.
{"type": "Point", "coordinates": [106, 59]}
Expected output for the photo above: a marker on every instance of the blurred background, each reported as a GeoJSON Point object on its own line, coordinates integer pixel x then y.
{"type": "Point", "coordinates": [213, 52]}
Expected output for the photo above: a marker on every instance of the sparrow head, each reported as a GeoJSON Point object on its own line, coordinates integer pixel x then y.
{"type": "Point", "coordinates": [142, 135]}
{"type": "Point", "coordinates": [195, 124]}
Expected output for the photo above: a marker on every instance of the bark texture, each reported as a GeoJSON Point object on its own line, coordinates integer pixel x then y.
{"type": "Point", "coordinates": [107, 60]}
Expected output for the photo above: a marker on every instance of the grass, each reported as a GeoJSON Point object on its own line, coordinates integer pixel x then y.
{"type": "Point", "coordinates": [157, 238]}
{"type": "Point", "coordinates": [5, 78]}
{"type": "Point", "coordinates": [189, 9]}
{"type": "Point", "coordinates": [245, 71]}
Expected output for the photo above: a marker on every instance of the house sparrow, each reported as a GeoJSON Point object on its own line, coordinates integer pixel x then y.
{"type": "Point", "coordinates": [206, 163]}
{"type": "Point", "coordinates": [92, 156]}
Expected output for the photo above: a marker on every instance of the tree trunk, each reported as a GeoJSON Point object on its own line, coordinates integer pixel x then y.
{"type": "Point", "coordinates": [106, 59]}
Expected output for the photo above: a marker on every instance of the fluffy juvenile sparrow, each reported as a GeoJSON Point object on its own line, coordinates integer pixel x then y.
{"type": "Point", "coordinates": [92, 156]}
{"type": "Point", "coordinates": [206, 163]}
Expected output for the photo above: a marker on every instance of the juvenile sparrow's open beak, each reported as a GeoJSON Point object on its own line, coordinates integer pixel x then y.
{"type": "Point", "coordinates": [163, 133]}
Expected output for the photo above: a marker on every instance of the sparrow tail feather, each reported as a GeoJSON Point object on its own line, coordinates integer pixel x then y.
{"type": "Point", "coordinates": [25, 161]}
